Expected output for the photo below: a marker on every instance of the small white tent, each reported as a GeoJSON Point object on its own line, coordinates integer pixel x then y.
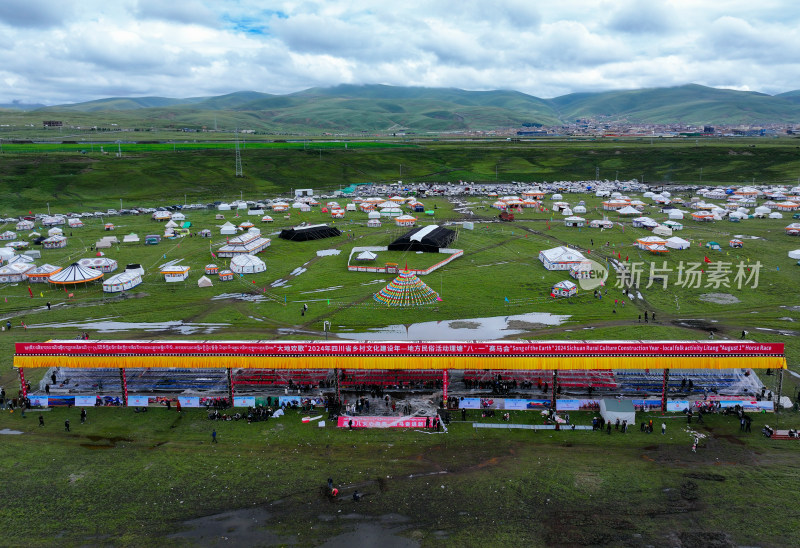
{"type": "Point", "coordinates": [247, 264]}
{"type": "Point", "coordinates": [662, 230]}
{"type": "Point", "coordinates": [228, 229]}
{"type": "Point", "coordinates": [678, 243]}
{"type": "Point", "coordinates": [611, 410]}
{"type": "Point", "coordinates": [204, 282]}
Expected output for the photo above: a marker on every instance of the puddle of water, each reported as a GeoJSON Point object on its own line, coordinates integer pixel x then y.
{"type": "Point", "coordinates": [470, 329]}
{"type": "Point", "coordinates": [333, 288]}
{"type": "Point", "coordinates": [374, 282]}
{"type": "Point", "coordinates": [297, 271]}
{"type": "Point", "coordinates": [325, 252]}
{"type": "Point", "coordinates": [785, 333]}
{"type": "Point", "coordinates": [278, 283]}
{"type": "Point", "coordinates": [110, 326]}
{"type": "Point", "coordinates": [371, 534]}
{"type": "Point", "coordinates": [240, 297]}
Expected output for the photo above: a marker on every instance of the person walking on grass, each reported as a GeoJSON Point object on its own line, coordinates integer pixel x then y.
{"type": "Point", "coordinates": [214, 436]}
{"type": "Point", "coordinates": [663, 428]}
{"type": "Point", "coordinates": [41, 420]}
{"type": "Point", "coordinates": [66, 425]}
{"type": "Point", "coordinates": [83, 416]}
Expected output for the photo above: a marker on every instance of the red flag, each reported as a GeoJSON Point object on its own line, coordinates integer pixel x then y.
{"type": "Point", "coordinates": [31, 292]}
{"type": "Point", "coordinates": [706, 259]}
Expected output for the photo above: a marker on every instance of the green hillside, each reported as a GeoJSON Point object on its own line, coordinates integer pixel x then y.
{"type": "Point", "coordinates": [122, 103]}
{"type": "Point", "coordinates": [690, 104]}
{"type": "Point", "coordinates": [380, 108]}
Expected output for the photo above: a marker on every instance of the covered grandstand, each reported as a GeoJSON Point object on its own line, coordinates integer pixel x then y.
{"type": "Point", "coordinates": [469, 368]}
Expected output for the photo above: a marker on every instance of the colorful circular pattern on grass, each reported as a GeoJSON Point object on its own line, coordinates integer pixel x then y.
{"type": "Point", "coordinates": [407, 290]}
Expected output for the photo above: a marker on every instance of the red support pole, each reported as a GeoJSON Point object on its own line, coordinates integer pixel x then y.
{"type": "Point", "coordinates": [555, 382]}
{"type": "Point", "coordinates": [444, 385]}
{"type": "Point", "coordinates": [23, 388]}
{"type": "Point", "coordinates": [124, 382]}
{"type": "Point", "coordinates": [230, 385]}
{"type": "Point", "coordinates": [664, 391]}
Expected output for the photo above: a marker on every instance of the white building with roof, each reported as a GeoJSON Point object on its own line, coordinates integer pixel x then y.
{"type": "Point", "coordinates": [560, 258]}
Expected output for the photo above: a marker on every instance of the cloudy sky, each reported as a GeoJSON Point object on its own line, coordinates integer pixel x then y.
{"type": "Point", "coordinates": [60, 51]}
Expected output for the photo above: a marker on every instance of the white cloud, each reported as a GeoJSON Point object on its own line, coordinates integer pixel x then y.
{"type": "Point", "coordinates": [53, 51]}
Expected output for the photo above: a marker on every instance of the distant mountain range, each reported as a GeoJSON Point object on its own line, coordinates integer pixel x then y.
{"type": "Point", "coordinates": [387, 108]}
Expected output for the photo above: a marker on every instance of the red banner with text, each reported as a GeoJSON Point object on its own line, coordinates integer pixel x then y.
{"type": "Point", "coordinates": [399, 348]}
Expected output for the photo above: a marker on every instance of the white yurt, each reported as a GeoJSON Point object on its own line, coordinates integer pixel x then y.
{"type": "Point", "coordinates": [579, 209]}
{"type": "Point", "coordinates": [25, 258]}
{"type": "Point", "coordinates": [247, 264]}
{"type": "Point", "coordinates": [776, 215]}
{"type": "Point", "coordinates": [103, 264]}
{"type": "Point", "coordinates": [227, 229]}
{"type": "Point", "coordinates": [675, 214]}
{"type": "Point", "coordinates": [123, 281]}
{"type": "Point", "coordinates": [6, 253]}
{"type": "Point", "coordinates": [178, 217]}
{"type": "Point", "coordinates": [15, 272]}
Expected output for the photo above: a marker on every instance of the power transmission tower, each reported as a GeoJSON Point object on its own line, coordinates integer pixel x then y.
{"type": "Point", "coordinates": [238, 155]}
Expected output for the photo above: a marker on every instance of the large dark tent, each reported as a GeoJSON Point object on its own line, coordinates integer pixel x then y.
{"type": "Point", "coordinates": [429, 238]}
{"type": "Point", "coordinates": [310, 232]}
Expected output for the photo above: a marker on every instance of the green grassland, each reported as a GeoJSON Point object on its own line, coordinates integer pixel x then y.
{"type": "Point", "coordinates": [133, 479]}
{"type": "Point", "coordinates": [499, 274]}
{"type": "Point", "coordinates": [73, 181]}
